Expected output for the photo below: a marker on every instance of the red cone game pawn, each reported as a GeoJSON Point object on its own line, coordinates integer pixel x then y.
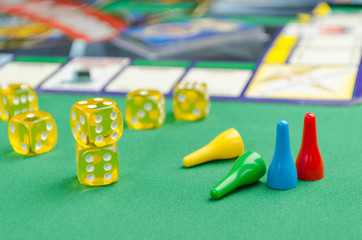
{"type": "Point", "coordinates": [309, 161]}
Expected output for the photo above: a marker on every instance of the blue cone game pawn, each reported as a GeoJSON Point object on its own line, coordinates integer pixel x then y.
{"type": "Point", "coordinates": [282, 173]}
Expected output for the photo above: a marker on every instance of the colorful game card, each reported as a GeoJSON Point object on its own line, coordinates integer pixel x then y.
{"type": "Point", "coordinates": [85, 74]}
{"type": "Point", "coordinates": [29, 70]}
{"type": "Point", "coordinates": [173, 38]}
{"type": "Point", "coordinates": [169, 33]}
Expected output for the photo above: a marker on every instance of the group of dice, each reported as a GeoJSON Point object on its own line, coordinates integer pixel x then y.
{"type": "Point", "coordinates": [96, 125]}
{"type": "Point", "coordinates": [30, 131]}
{"type": "Point", "coordinates": [145, 109]}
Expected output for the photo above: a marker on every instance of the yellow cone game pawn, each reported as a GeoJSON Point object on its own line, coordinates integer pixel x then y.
{"type": "Point", "coordinates": [226, 145]}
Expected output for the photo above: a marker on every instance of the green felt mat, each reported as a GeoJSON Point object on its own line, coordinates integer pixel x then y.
{"type": "Point", "coordinates": [157, 198]}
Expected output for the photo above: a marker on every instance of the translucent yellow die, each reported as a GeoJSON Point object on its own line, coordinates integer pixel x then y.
{"type": "Point", "coordinates": [16, 99]}
{"type": "Point", "coordinates": [96, 122]}
{"type": "Point", "coordinates": [145, 109]}
{"type": "Point", "coordinates": [97, 166]}
{"type": "Point", "coordinates": [190, 101]}
{"type": "Point", "coordinates": [33, 132]}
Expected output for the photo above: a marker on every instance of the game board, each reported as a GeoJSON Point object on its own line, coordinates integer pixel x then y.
{"type": "Point", "coordinates": [188, 35]}
{"type": "Point", "coordinates": [121, 75]}
{"type": "Point", "coordinates": [313, 61]}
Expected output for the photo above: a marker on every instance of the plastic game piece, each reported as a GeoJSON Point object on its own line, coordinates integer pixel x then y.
{"type": "Point", "coordinates": [226, 145]}
{"type": "Point", "coordinates": [282, 173]}
{"type": "Point", "coordinates": [309, 161]}
{"type": "Point", "coordinates": [247, 169]}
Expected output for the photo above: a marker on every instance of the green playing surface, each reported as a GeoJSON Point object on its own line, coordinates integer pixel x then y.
{"type": "Point", "coordinates": [157, 198]}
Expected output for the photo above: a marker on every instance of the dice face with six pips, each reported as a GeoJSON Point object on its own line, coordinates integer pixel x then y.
{"type": "Point", "coordinates": [145, 109]}
{"type": "Point", "coordinates": [32, 132]}
{"type": "Point", "coordinates": [96, 122]}
{"type": "Point", "coordinates": [190, 101]}
{"type": "Point", "coordinates": [16, 99]}
{"type": "Point", "coordinates": [97, 166]}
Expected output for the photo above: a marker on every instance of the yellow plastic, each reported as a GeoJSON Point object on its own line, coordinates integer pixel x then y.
{"type": "Point", "coordinates": [322, 9]}
{"type": "Point", "coordinates": [278, 54]}
{"type": "Point", "coordinates": [286, 41]}
{"type": "Point", "coordinates": [226, 145]}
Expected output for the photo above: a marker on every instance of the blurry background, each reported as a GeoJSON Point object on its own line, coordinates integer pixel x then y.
{"type": "Point", "coordinates": [169, 29]}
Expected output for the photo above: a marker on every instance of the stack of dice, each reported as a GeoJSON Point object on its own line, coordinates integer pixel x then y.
{"type": "Point", "coordinates": [145, 109]}
{"type": "Point", "coordinates": [97, 125]}
{"type": "Point", "coordinates": [30, 131]}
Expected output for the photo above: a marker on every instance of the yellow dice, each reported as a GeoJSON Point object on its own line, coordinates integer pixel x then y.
{"type": "Point", "coordinates": [96, 122]}
{"type": "Point", "coordinates": [15, 99]}
{"type": "Point", "coordinates": [145, 109]}
{"type": "Point", "coordinates": [32, 133]}
{"type": "Point", "coordinates": [191, 101]}
{"type": "Point", "coordinates": [97, 166]}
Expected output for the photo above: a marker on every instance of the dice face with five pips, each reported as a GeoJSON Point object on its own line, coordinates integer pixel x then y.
{"type": "Point", "coordinates": [16, 99]}
{"type": "Point", "coordinates": [32, 133]}
{"type": "Point", "coordinates": [145, 109]}
{"type": "Point", "coordinates": [96, 122]}
{"type": "Point", "coordinates": [190, 101]}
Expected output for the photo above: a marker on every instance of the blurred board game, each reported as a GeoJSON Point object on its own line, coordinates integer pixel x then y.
{"type": "Point", "coordinates": [318, 61]}
{"type": "Point", "coordinates": [106, 75]}
{"type": "Point", "coordinates": [16, 32]}
{"type": "Point", "coordinates": [315, 60]}
{"type": "Point", "coordinates": [73, 18]}
{"type": "Point", "coordinates": [172, 38]}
